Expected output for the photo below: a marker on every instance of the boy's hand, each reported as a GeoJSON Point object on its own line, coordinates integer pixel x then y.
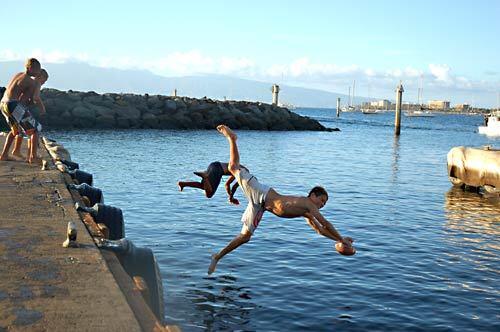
{"type": "Point", "coordinates": [347, 240]}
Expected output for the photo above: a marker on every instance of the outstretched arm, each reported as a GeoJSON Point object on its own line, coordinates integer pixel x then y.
{"type": "Point", "coordinates": [230, 191]}
{"type": "Point", "coordinates": [316, 220]}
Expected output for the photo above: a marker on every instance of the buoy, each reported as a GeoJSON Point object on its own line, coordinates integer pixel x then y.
{"type": "Point", "coordinates": [346, 250]}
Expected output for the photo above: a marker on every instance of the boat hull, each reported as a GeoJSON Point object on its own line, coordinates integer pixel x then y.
{"type": "Point", "coordinates": [474, 167]}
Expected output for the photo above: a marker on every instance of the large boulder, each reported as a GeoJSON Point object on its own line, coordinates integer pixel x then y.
{"type": "Point", "coordinates": [170, 105]}
{"type": "Point", "coordinates": [128, 112]}
{"type": "Point", "coordinates": [83, 117]}
{"type": "Point", "coordinates": [105, 122]}
{"type": "Point", "coordinates": [150, 121]}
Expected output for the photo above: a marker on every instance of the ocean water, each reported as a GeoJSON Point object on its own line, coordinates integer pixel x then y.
{"type": "Point", "coordinates": [427, 254]}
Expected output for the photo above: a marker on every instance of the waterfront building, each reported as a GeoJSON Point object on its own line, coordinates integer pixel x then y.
{"type": "Point", "coordinates": [439, 105]}
{"type": "Point", "coordinates": [382, 104]}
{"type": "Point", "coordinates": [462, 107]}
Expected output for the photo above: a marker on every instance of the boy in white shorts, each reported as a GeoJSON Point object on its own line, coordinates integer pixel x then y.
{"type": "Point", "coordinates": [262, 198]}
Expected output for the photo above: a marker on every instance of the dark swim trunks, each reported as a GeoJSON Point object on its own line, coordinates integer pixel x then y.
{"type": "Point", "coordinates": [215, 171]}
{"type": "Point", "coordinates": [19, 118]}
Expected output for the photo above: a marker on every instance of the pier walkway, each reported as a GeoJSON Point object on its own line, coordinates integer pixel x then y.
{"type": "Point", "coordinates": [44, 286]}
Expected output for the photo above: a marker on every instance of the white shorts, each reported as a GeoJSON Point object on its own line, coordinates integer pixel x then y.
{"type": "Point", "coordinates": [256, 195]}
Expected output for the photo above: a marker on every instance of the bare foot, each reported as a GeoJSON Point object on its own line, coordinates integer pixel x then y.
{"type": "Point", "coordinates": [17, 158]}
{"type": "Point", "coordinates": [179, 185]}
{"type": "Point", "coordinates": [226, 131]}
{"type": "Point", "coordinates": [18, 155]}
{"type": "Point", "coordinates": [213, 264]}
{"type": "Point", "coordinates": [6, 158]}
{"type": "Point", "coordinates": [34, 161]}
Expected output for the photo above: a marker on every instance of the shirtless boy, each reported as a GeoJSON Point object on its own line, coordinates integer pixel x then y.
{"type": "Point", "coordinates": [37, 101]}
{"type": "Point", "coordinates": [262, 198]}
{"type": "Point", "coordinates": [210, 180]}
{"type": "Point", "coordinates": [14, 107]}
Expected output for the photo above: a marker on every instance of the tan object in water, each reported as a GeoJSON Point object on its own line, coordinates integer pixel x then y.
{"type": "Point", "coordinates": [474, 167]}
{"type": "Point", "coordinates": [344, 249]}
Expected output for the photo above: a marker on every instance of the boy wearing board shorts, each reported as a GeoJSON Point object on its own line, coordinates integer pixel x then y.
{"type": "Point", "coordinates": [262, 198]}
{"type": "Point", "coordinates": [36, 101]}
{"type": "Point", "coordinates": [210, 180]}
{"type": "Point", "coordinates": [13, 106]}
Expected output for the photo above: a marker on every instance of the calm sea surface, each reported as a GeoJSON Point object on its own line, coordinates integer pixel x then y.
{"type": "Point", "coordinates": [428, 255]}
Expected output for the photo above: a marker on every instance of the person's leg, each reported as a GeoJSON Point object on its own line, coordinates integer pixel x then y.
{"type": "Point", "coordinates": [183, 184]}
{"type": "Point", "coordinates": [6, 147]}
{"type": "Point", "coordinates": [33, 148]}
{"type": "Point", "coordinates": [29, 149]}
{"type": "Point", "coordinates": [234, 156]}
{"type": "Point", "coordinates": [235, 243]}
{"type": "Point", "coordinates": [17, 146]}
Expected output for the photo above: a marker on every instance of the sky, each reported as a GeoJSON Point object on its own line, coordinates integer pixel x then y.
{"type": "Point", "coordinates": [450, 49]}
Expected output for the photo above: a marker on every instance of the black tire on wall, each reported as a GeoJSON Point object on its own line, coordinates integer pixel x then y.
{"type": "Point", "coordinates": [82, 177]}
{"type": "Point", "coordinates": [112, 217]}
{"type": "Point", "coordinates": [94, 194]}
{"type": "Point", "coordinates": [141, 262]}
{"type": "Point", "coordinates": [70, 164]}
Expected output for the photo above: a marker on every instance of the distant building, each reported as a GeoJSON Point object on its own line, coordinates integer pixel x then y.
{"type": "Point", "coordinates": [383, 104]}
{"type": "Point", "coordinates": [439, 104]}
{"type": "Point", "coordinates": [463, 107]}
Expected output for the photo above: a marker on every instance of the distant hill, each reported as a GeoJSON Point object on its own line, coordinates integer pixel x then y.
{"type": "Point", "coordinates": [84, 77]}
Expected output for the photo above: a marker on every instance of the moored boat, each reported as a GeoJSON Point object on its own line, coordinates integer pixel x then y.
{"type": "Point", "coordinates": [492, 125]}
{"type": "Point", "coordinates": [419, 114]}
{"type": "Point", "coordinates": [475, 167]}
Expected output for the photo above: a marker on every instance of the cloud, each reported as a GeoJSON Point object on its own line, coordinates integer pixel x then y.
{"type": "Point", "coordinates": [302, 71]}
{"type": "Point", "coordinates": [441, 73]}
{"type": "Point", "coordinates": [304, 68]}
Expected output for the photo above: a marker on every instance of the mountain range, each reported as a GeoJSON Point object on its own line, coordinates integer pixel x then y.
{"type": "Point", "coordinates": [80, 76]}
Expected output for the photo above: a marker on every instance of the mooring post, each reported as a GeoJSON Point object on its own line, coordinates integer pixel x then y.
{"type": "Point", "coordinates": [338, 107]}
{"type": "Point", "coordinates": [275, 90]}
{"type": "Point", "coordinates": [397, 120]}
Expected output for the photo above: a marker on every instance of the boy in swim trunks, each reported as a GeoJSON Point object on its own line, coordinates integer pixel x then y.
{"type": "Point", "coordinates": [210, 180]}
{"type": "Point", "coordinates": [262, 198]}
{"type": "Point", "coordinates": [37, 102]}
{"type": "Point", "coordinates": [14, 107]}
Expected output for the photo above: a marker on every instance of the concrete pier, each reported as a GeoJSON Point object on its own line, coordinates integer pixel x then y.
{"type": "Point", "coordinates": [44, 286]}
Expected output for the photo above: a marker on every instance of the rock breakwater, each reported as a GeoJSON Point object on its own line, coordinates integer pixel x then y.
{"type": "Point", "coordinates": [73, 109]}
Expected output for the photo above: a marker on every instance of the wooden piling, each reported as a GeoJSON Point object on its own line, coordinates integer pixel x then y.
{"type": "Point", "coordinates": [397, 120]}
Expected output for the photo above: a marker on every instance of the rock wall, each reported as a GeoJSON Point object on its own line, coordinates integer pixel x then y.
{"type": "Point", "coordinates": [74, 109]}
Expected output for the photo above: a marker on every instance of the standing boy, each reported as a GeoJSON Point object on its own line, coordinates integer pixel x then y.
{"type": "Point", "coordinates": [14, 107]}
{"type": "Point", "coordinates": [37, 102]}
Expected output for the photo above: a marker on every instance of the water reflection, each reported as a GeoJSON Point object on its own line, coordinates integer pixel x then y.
{"type": "Point", "coordinates": [395, 159]}
{"type": "Point", "coordinates": [223, 304]}
{"type": "Point", "coordinates": [465, 208]}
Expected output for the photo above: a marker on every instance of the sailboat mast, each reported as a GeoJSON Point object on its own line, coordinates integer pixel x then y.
{"type": "Point", "coordinates": [349, 101]}
{"type": "Point", "coordinates": [498, 102]}
{"type": "Point", "coordinates": [353, 88]}
{"type": "Point", "coordinates": [420, 90]}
